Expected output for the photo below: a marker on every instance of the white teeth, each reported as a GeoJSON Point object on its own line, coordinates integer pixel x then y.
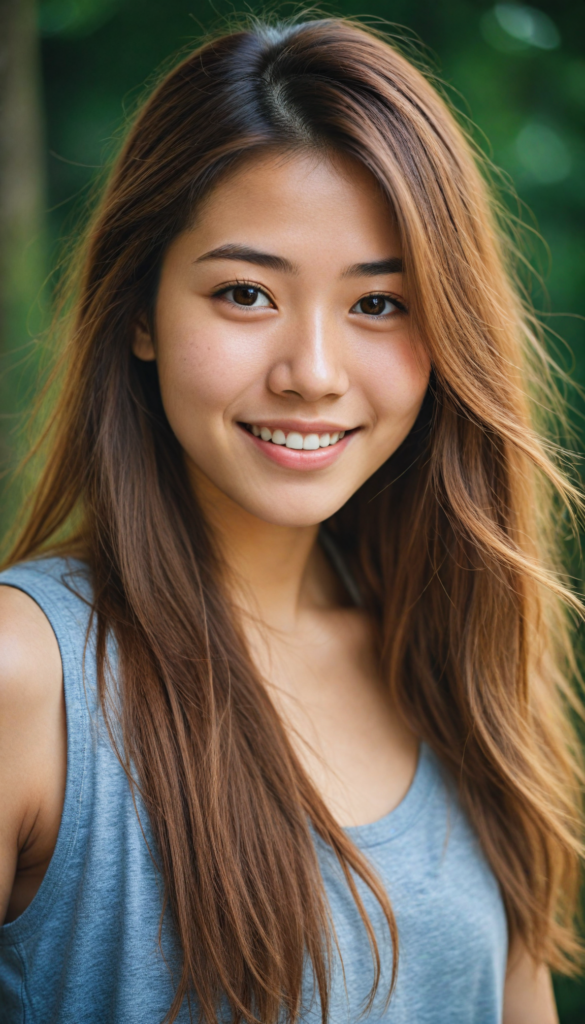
{"type": "Point", "coordinates": [311, 442]}
{"type": "Point", "coordinates": [294, 440]}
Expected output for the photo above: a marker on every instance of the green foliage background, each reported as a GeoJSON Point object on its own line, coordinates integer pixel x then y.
{"type": "Point", "coordinates": [517, 72]}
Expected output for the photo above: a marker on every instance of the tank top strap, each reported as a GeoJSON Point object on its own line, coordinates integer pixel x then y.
{"type": "Point", "coordinates": [62, 589]}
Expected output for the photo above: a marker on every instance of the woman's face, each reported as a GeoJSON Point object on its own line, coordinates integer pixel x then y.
{"type": "Point", "coordinates": [288, 368]}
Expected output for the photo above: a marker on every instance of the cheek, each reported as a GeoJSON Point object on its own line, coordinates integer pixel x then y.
{"type": "Point", "coordinates": [398, 378]}
{"type": "Point", "coordinates": [202, 372]}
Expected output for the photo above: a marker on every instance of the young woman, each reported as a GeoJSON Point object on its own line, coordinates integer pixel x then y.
{"type": "Point", "coordinates": [282, 661]}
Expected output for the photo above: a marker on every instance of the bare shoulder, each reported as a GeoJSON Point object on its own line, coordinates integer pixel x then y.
{"type": "Point", "coordinates": [32, 741]}
{"type": "Point", "coordinates": [30, 662]}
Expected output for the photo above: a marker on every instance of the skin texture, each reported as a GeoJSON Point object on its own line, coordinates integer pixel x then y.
{"type": "Point", "coordinates": [304, 356]}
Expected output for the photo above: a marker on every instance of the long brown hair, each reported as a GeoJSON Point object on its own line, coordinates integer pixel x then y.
{"type": "Point", "coordinates": [450, 539]}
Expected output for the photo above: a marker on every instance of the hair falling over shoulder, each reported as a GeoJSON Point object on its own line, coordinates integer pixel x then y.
{"type": "Point", "coordinates": [452, 539]}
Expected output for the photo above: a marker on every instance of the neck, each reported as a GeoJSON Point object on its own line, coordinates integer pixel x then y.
{"type": "Point", "coordinates": [276, 572]}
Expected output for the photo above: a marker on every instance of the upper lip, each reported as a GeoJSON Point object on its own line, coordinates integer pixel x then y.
{"type": "Point", "coordinates": [300, 426]}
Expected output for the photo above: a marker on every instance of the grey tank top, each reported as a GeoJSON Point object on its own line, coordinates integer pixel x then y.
{"type": "Point", "coordinates": [86, 949]}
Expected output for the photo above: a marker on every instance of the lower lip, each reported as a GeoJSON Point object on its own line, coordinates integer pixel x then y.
{"type": "Point", "coordinates": [293, 458]}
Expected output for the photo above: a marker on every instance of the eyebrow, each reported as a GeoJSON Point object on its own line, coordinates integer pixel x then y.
{"type": "Point", "coordinates": [374, 268]}
{"type": "Point", "coordinates": [392, 265]}
{"type": "Point", "coordinates": [243, 252]}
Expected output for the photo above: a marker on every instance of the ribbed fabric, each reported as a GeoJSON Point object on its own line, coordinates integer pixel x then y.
{"type": "Point", "coordinates": [86, 949]}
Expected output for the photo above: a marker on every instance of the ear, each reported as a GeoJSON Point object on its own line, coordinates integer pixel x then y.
{"type": "Point", "coordinates": [142, 343]}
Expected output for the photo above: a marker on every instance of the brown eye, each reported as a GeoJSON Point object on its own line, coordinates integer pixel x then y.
{"type": "Point", "coordinates": [244, 295]}
{"type": "Point", "coordinates": [247, 295]}
{"type": "Point", "coordinates": [375, 305]}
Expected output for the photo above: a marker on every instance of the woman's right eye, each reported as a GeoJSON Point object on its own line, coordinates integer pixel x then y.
{"type": "Point", "coordinates": [246, 295]}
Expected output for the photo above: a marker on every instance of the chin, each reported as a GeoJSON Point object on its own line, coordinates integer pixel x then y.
{"type": "Point", "coordinates": [295, 511]}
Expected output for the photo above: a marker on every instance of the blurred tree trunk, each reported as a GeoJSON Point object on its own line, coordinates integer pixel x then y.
{"type": "Point", "coordinates": [22, 236]}
{"type": "Point", "coordinates": [22, 209]}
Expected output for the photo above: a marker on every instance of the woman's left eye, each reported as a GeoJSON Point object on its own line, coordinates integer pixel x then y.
{"type": "Point", "coordinates": [245, 295]}
{"type": "Point", "coordinates": [377, 305]}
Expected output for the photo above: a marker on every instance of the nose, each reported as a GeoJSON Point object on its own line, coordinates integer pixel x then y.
{"type": "Point", "coordinates": [310, 363]}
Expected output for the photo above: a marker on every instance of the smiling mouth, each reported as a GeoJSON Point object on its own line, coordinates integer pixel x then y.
{"type": "Point", "coordinates": [294, 439]}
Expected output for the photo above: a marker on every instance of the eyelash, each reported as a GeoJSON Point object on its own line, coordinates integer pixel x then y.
{"type": "Point", "coordinates": [400, 307]}
{"type": "Point", "coordinates": [399, 310]}
{"type": "Point", "coordinates": [239, 284]}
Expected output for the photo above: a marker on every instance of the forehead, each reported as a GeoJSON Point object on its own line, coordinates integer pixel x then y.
{"type": "Point", "coordinates": [315, 198]}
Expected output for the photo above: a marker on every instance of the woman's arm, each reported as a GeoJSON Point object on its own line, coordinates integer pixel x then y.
{"type": "Point", "coordinates": [528, 992]}
{"type": "Point", "coordinates": [33, 754]}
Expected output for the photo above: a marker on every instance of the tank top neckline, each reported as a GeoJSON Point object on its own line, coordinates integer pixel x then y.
{"type": "Point", "coordinates": [403, 816]}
